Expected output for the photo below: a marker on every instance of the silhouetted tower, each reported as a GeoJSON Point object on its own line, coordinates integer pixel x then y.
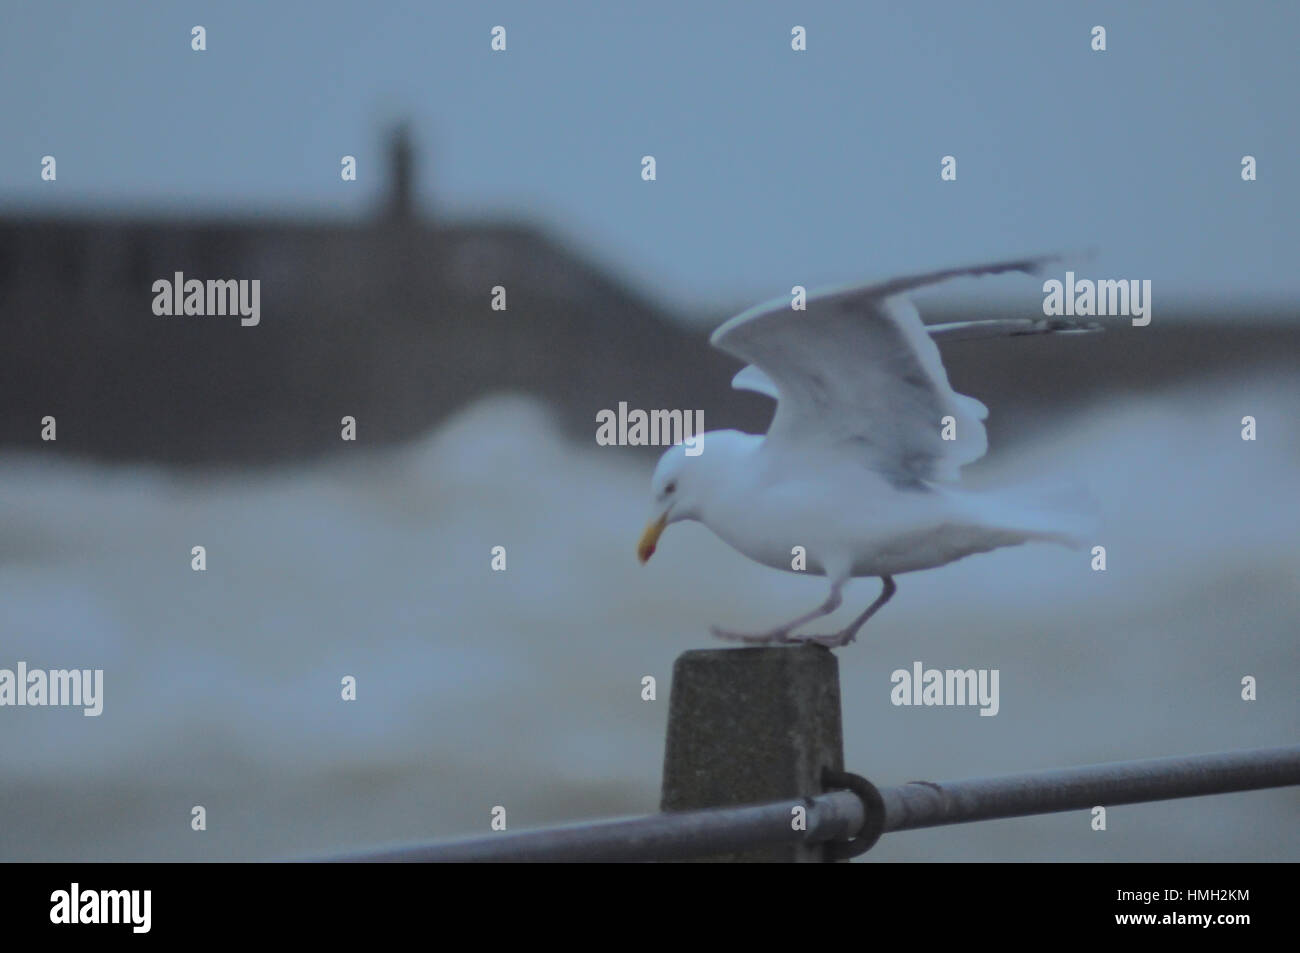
{"type": "Point", "coordinates": [401, 162]}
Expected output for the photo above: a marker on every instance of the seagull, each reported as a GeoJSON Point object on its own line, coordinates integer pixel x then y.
{"type": "Point", "coordinates": [858, 471]}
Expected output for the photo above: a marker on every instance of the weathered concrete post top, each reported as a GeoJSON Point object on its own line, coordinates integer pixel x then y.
{"type": "Point", "coordinates": [750, 725]}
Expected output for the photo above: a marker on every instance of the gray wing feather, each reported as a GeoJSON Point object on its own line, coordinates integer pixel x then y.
{"type": "Point", "coordinates": [857, 373]}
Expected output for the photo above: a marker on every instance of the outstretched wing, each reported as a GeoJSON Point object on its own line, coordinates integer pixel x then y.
{"type": "Point", "coordinates": [750, 377]}
{"type": "Point", "coordinates": [857, 373]}
{"type": "Point", "coordinates": [1007, 327]}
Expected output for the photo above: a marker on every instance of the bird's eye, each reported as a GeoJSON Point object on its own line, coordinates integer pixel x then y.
{"type": "Point", "coordinates": [671, 486]}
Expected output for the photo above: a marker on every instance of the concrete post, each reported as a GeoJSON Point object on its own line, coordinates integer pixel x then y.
{"type": "Point", "coordinates": [750, 725]}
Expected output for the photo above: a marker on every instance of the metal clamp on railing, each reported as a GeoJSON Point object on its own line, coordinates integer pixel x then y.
{"type": "Point", "coordinates": [873, 812]}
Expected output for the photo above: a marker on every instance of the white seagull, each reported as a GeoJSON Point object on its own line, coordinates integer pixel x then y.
{"type": "Point", "coordinates": [859, 463]}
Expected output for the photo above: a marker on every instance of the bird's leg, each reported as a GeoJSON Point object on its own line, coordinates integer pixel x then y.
{"type": "Point", "coordinates": [781, 633]}
{"type": "Point", "coordinates": [847, 634]}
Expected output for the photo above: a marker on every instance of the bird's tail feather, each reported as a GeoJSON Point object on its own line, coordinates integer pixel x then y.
{"type": "Point", "coordinates": [1061, 514]}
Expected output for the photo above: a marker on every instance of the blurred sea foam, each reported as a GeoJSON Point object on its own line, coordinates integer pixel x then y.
{"type": "Point", "coordinates": [522, 688]}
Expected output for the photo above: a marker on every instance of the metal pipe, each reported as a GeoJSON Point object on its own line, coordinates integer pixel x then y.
{"type": "Point", "coordinates": [677, 836]}
{"type": "Point", "coordinates": [839, 815]}
{"type": "Point", "coordinates": [926, 804]}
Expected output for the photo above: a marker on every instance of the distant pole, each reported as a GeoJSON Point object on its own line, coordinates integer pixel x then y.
{"type": "Point", "coordinates": [401, 171]}
{"type": "Point", "coordinates": [751, 725]}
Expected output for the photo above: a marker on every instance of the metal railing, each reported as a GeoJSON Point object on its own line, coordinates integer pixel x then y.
{"type": "Point", "coordinates": [840, 815]}
{"type": "Point", "coordinates": [753, 770]}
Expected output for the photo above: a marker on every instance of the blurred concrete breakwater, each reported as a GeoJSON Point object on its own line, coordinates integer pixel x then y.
{"type": "Point", "coordinates": [390, 321]}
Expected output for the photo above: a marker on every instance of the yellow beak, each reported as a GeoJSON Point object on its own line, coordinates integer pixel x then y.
{"type": "Point", "coordinates": [646, 547]}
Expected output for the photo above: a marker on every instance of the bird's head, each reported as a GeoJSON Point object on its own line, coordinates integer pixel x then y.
{"type": "Point", "coordinates": [672, 489]}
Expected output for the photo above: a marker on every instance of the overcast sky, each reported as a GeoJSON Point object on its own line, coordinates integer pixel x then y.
{"type": "Point", "coordinates": [774, 167]}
